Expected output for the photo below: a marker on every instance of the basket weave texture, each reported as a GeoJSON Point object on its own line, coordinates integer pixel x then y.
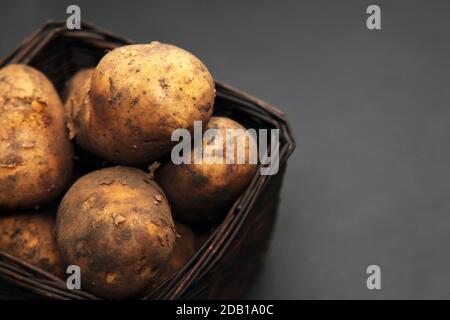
{"type": "Point", "coordinates": [224, 266]}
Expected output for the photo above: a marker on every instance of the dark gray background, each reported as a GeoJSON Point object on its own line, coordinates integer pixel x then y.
{"type": "Point", "coordinates": [369, 182]}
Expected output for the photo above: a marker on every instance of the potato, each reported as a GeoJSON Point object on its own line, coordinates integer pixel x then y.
{"type": "Point", "coordinates": [116, 225]}
{"type": "Point", "coordinates": [138, 95]}
{"type": "Point", "coordinates": [36, 156]}
{"type": "Point", "coordinates": [30, 237]}
{"type": "Point", "coordinates": [78, 104]}
{"type": "Point", "coordinates": [202, 193]}
{"type": "Point", "coordinates": [184, 250]}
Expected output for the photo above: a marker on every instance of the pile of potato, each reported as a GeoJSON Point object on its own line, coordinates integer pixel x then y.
{"type": "Point", "coordinates": [116, 223]}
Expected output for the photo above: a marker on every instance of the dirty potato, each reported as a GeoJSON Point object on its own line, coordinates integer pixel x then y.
{"type": "Point", "coordinates": [78, 104]}
{"type": "Point", "coordinates": [115, 223]}
{"type": "Point", "coordinates": [202, 192]}
{"type": "Point", "coordinates": [140, 94]}
{"type": "Point", "coordinates": [184, 250]}
{"type": "Point", "coordinates": [30, 237]}
{"type": "Point", "coordinates": [35, 152]}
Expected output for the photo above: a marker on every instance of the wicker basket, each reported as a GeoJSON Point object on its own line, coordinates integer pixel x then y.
{"type": "Point", "coordinates": [223, 267]}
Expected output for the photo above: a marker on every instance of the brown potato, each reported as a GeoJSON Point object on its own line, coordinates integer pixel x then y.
{"type": "Point", "coordinates": [36, 156]}
{"type": "Point", "coordinates": [78, 104]}
{"type": "Point", "coordinates": [116, 225]}
{"type": "Point", "coordinates": [202, 193]}
{"type": "Point", "coordinates": [184, 250]}
{"type": "Point", "coordinates": [30, 237]}
{"type": "Point", "coordinates": [138, 95]}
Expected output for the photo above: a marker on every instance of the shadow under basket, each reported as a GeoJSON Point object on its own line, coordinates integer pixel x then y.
{"type": "Point", "coordinates": [226, 263]}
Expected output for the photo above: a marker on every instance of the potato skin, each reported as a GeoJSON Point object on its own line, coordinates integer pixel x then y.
{"type": "Point", "coordinates": [30, 236]}
{"type": "Point", "coordinates": [36, 156]}
{"type": "Point", "coordinates": [184, 249]}
{"type": "Point", "coordinates": [115, 223]}
{"type": "Point", "coordinates": [140, 94]}
{"type": "Point", "coordinates": [202, 193]}
{"type": "Point", "coordinates": [78, 110]}
{"type": "Point", "coordinates": [78, 105]}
